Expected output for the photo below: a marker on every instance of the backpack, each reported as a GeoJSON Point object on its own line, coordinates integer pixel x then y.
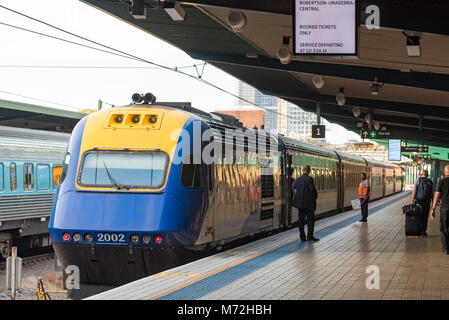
{"type": "Point", "coordinates": [424, 190]}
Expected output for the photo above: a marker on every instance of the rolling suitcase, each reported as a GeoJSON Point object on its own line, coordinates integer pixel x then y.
{"type": "Point", "coordinates": [412, 219]}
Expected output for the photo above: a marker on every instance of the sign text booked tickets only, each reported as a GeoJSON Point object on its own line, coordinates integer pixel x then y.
{"type": "Point", "coordinates": [325, 27]}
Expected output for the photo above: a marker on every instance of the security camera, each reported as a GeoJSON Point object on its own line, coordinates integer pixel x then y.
{"type": "Point", "coordinates": [341, 100]}
{"type": "Point", "coordinates": [318, 81]}
{"type": "Point", "coordinates": [236, 20]}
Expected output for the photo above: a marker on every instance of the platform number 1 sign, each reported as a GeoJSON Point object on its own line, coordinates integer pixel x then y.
{"type": "Point", "coordinates": [318, 131]}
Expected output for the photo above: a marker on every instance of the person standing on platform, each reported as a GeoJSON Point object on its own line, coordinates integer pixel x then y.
{"type": "Point", "coordinates": [364, 193]}
{"type": "Point", "coordinates": [442, 192]}
{"type": "Point", "coordinates": [423, 195]}
{"type": "Point", "coordinates": [305, 200]}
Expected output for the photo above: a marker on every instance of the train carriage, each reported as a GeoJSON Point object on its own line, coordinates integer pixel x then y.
{"type": "Point", "coordinates": [351, 168]}
{"type": "Point", "coordinates": [324, 164]}
{"type": "Point", "coordinates": [30, 170]}
{"type": "Point", "coordinates": [133, 201]}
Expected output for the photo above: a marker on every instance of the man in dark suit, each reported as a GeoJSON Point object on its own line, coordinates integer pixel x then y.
{"type": "Point", "coordinates": [305, 200]}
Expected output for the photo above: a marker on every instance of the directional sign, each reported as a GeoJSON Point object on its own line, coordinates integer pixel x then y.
{"type": "Point", "coordinates": [419, 157]}
{"type": "Point", "coordinates": [318, 131]}
{"type": "Point", "coordinates": [373, 134]}
{"type": "Point", "coordinates": [383, 134]}
{"type": "Point", "coordinates": [364, 134]}
{"type": "Point", "coordinates": [415, 149]}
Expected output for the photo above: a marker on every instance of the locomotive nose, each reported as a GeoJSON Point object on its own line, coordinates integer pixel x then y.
{"type": "Point", "coordinates": [118, 212]}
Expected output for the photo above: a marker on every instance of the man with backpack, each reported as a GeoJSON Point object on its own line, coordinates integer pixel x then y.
{"type": "Point", "coordinates": [422, 195]}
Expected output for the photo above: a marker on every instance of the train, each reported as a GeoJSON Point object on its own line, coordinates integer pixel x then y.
{"type": "Point", "coordinates": [140, 194]}
{"type": "Point", "coordinates": [30, 171]}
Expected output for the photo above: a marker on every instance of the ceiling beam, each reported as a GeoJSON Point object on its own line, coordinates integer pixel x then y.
{"type": "Point", "coordinates": [424, 15]}
{"type": "Point", "coordinates": [413, 79]}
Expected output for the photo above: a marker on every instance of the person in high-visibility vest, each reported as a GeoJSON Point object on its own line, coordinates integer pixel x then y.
{"type": "Point", "coordinates": [364, 193]}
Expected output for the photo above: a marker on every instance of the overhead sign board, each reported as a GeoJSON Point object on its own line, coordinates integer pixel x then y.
{"type": "Point", "coordinates": [420, 157]}
{"type": "Point", "coordinates": [394, 149]}
{"type": "Point", "coordinates": [415, 149]}
{"type": "Point", "coordinates": [318, 131]}
{"type": "Point", "coordinates": [325, 27]}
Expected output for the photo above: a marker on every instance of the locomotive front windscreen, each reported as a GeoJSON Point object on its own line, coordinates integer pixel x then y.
{"type": "Point", "coordinates": [123, 169]}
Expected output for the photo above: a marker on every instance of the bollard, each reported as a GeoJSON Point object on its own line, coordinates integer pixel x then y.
{"type": "Point", "coordinates": [13, 273]}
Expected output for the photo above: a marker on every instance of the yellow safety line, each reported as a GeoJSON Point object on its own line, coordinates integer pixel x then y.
{"type": "Point", "coordinates": [218, 271]}
{"type": "Point", "coordinates": [239, 251]}
{"type": "Point", "coordinates": [175, 275]}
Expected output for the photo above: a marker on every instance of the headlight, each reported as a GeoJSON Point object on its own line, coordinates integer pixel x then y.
{"type": "Point", "coordinates": [146, 239]}
{"type": "Point", "coordinates": [76, 237]}
{"type": "Point", "coordinates": [134, 238]}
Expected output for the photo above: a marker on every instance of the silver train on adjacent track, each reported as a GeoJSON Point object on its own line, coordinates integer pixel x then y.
{"type": "Point", "coordinates": [30, 171]}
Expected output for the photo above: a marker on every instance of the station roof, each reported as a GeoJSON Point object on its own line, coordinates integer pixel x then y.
{"type": "Point", "coordinates": [415, 89]}
{"type": "Point", "coordinates": [24, 115]}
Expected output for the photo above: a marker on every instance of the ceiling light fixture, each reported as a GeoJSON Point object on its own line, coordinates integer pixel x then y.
{"type": "Point", "coordinates": [375, 86]}
{"type": "Point", "coordinates": [138, 9]}
{"type": "Point", "coordinates": [175, 11]}
{"type": "Point", "coordinates": [284, 52]}
{"type": "Point", "coordinates": [376, 125]}
{"type": "Point", "coordinates": [413, 45]}
{"type": "Point", "coordinates": [341, 100]}
{"type": "Point", "coordinates": [236, 20]}
{"type": "Point", "coordinates": [318, 81]}
{"type": "Point", "coordinates": [356, 112]}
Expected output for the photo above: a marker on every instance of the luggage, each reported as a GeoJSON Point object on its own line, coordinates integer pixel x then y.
{"type": "Point", "coordinates": [413, 225]}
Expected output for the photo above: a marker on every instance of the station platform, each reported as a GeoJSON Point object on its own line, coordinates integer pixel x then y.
{"type": "Point", "coordinates": [282, 267]}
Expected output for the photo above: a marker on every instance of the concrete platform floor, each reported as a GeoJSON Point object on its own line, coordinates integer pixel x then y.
{"type": "Point", "coordinates": [282, 267]}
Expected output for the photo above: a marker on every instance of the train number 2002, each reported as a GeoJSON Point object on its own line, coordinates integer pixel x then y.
{"type": "Point", "coordinates": [110, 237]}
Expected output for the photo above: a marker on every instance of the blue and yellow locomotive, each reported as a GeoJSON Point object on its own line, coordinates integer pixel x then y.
{"type": "Point", "coordinates": [139, 196]}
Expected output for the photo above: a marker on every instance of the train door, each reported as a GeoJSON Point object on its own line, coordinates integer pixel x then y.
{"type": "Point", "coordinates": [341, 185]}
{"type": "Point", "coordinates": [285, 189]}
{"type": "Point", "coordinates": [288, 190]}
{"type": "Point", "coordinates": [394, 181]}
{"type": "Point", "coordinates": [384, 182]}
{"type": "Point", "coordinates": [267, 196]}
{"type": "Point", "coordinates": [209, 202]}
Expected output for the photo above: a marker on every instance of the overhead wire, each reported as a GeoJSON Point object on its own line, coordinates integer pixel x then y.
{"type": "Point", "coordinates": [131, 56]}
{"type": "Point", "coordinates": [37, 99]}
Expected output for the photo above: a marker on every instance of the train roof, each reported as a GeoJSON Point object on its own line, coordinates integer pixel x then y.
{"type": "Point", "coordinates": [222, 122]}
{"type": "Point", "coordinates": [31, 138]}
{"type": "Point", "coordinates": [351, 157]}
{"type": "Point", "coordinates": [32, 145]}
{"type": "Point", "coordinates": [307, 147]}
{"type": "Point", "coordinates": [376, 163]}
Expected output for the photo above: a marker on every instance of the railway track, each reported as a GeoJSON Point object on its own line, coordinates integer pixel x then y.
{"type": "Point", "coordinates": [32, 259]}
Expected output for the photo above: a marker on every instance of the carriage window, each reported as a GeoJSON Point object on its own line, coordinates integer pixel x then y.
{"type": "Point", "coordinates": [192, 175]}
{"type": "Point", "coordinates": [57, 172]}
{"type": "Point", "coordinates": [43, 177]}
{"type": "Point", "coordinates": [28, 178]}
{"type": "Point", "coordinates": [65, 166]}
{"type": "Point", "coordinates": [1, 177]}
{"type": "Point", "coordinates": [12, 177]}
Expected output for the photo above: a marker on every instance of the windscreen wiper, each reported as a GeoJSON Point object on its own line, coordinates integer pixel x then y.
{"type": "Point", "coordinates": [117, 184]}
